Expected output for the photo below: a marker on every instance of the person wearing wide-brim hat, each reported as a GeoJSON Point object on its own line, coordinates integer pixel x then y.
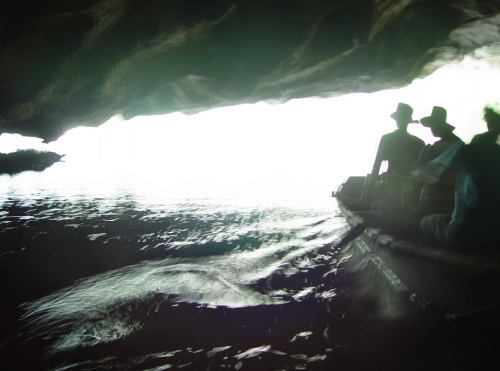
{"type": "Point", "coordinates": [437, 198]}
{"type": "Point", "coordinates": [441, 129]}
{"type": "Point", "coordinates": [403, 114]}
{"type": "Point", "coordinates": [399, 148]}
{"type": "Point", "coordinates": [437, 120]}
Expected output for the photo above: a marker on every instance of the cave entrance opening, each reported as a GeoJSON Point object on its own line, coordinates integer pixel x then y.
{"type": "Point", "coordinates": [304, 145]}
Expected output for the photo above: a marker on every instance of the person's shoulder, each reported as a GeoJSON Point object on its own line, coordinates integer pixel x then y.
{"type": "Point", "coordinates": [388, 137]}
{"type": "Point", "coordinates": [415, 139]}
{"type": "Point", "coordinates": [479, 139]}
{"type": "Point", "coordinates": [450, 141]}
{"type": "Point", "coordinates": [419, 140]}
{"type": "Point", "coordinates": [478, 136]}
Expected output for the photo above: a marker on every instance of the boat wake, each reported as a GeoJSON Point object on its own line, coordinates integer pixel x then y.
{"type": "Point", "coordinates": [376, 289]}
{"type": "Point", "coordinates": [112, 305]}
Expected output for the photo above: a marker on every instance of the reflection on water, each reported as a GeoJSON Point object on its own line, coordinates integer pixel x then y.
{"type": "Point", "coordinates": [102, 277]}
{"type": "Point", "coordinates": [97, 309]}
{"type": "Point", "coordinates": [97, 265]}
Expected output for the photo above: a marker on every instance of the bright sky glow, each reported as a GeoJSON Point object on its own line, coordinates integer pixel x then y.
{"type": "Point", "coordinates": [305, 145]}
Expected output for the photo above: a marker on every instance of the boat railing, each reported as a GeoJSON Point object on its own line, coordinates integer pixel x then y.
{"type": "Point", "coordinates": [473, 265]}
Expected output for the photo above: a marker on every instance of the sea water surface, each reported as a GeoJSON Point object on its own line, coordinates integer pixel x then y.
{"type": "Point", "coordinates": [100, 271]}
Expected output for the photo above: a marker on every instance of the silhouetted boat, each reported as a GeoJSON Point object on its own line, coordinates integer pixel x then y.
{"type": "Point", "coordinates": [455, 282]}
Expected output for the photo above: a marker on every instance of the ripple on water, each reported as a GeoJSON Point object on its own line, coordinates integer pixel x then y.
{"type": "Point", "coordinates": [181, 261]}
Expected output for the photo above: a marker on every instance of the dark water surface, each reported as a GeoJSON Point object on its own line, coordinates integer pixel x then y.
{"type": "Point", "coordinates": [122, 281]}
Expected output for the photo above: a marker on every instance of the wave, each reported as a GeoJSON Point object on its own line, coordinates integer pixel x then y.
{"type": "Point", "coordinates": [106, 306]}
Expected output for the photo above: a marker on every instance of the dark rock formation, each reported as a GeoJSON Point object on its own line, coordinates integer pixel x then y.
{"type": "Point", "coordinates": [23, 160]}
{"type": "Point", "coordinates": [70, 63]}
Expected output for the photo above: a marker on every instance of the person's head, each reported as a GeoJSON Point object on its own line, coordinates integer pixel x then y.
{"type": "Point", "coordinates": [437, 122]}
{"type": "Point", "coordinates": [403, 115]}
{"type": "Point", "coordinates": [492, 118]}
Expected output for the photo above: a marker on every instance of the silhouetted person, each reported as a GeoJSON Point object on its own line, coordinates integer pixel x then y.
{"type": "Point", "coordinates": [401, 150]}
{"type": "Point", "coordinates": [440, 197]}
{"type": "Point", "coordinates": [475, 222]}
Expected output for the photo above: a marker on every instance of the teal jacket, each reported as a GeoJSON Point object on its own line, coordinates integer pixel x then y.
{"type": "Point", "coordinates": [476, 217]}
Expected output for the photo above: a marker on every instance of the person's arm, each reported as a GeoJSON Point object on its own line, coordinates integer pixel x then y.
{"type": "Point", "coordinates": [431, 171]}
{"type": "Point", "coordinates": [422, 157]}
{"type": "Point", "coordinates": [368, 188]}
{"type": "Point", "coordinates": [378, 162]}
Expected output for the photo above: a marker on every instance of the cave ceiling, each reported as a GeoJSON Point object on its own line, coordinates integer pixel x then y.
{"type": "Point", "coordinates": [72, 63]}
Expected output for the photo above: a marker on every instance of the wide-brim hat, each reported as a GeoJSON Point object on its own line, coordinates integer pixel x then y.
{"type": "Point", "coordinates": [437, 119]}
{"type": "Point", "coordinates": [404, 112]}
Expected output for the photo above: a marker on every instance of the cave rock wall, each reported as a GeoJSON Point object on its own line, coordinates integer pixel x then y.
{"type": "Point", "coordinates": [70, 63]}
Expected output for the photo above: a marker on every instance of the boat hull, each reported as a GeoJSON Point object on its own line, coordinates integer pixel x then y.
{"type": "Point", "coordinates": [449, 288]}
{"type": "Point", "coordinates": [455, 282]}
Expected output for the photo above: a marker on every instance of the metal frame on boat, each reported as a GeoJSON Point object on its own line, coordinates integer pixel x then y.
{"type": "Point", "coordinates": [455, 282]}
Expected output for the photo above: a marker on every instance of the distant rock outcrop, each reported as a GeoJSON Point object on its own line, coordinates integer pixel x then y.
{"type": "Point", "coordinates": [23, 160]}
{"type": "Point", "coordinates": [70, 63]}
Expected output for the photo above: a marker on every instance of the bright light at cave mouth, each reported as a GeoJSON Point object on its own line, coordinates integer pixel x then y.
{"type": "Point", "coordinates": [300, 147]}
